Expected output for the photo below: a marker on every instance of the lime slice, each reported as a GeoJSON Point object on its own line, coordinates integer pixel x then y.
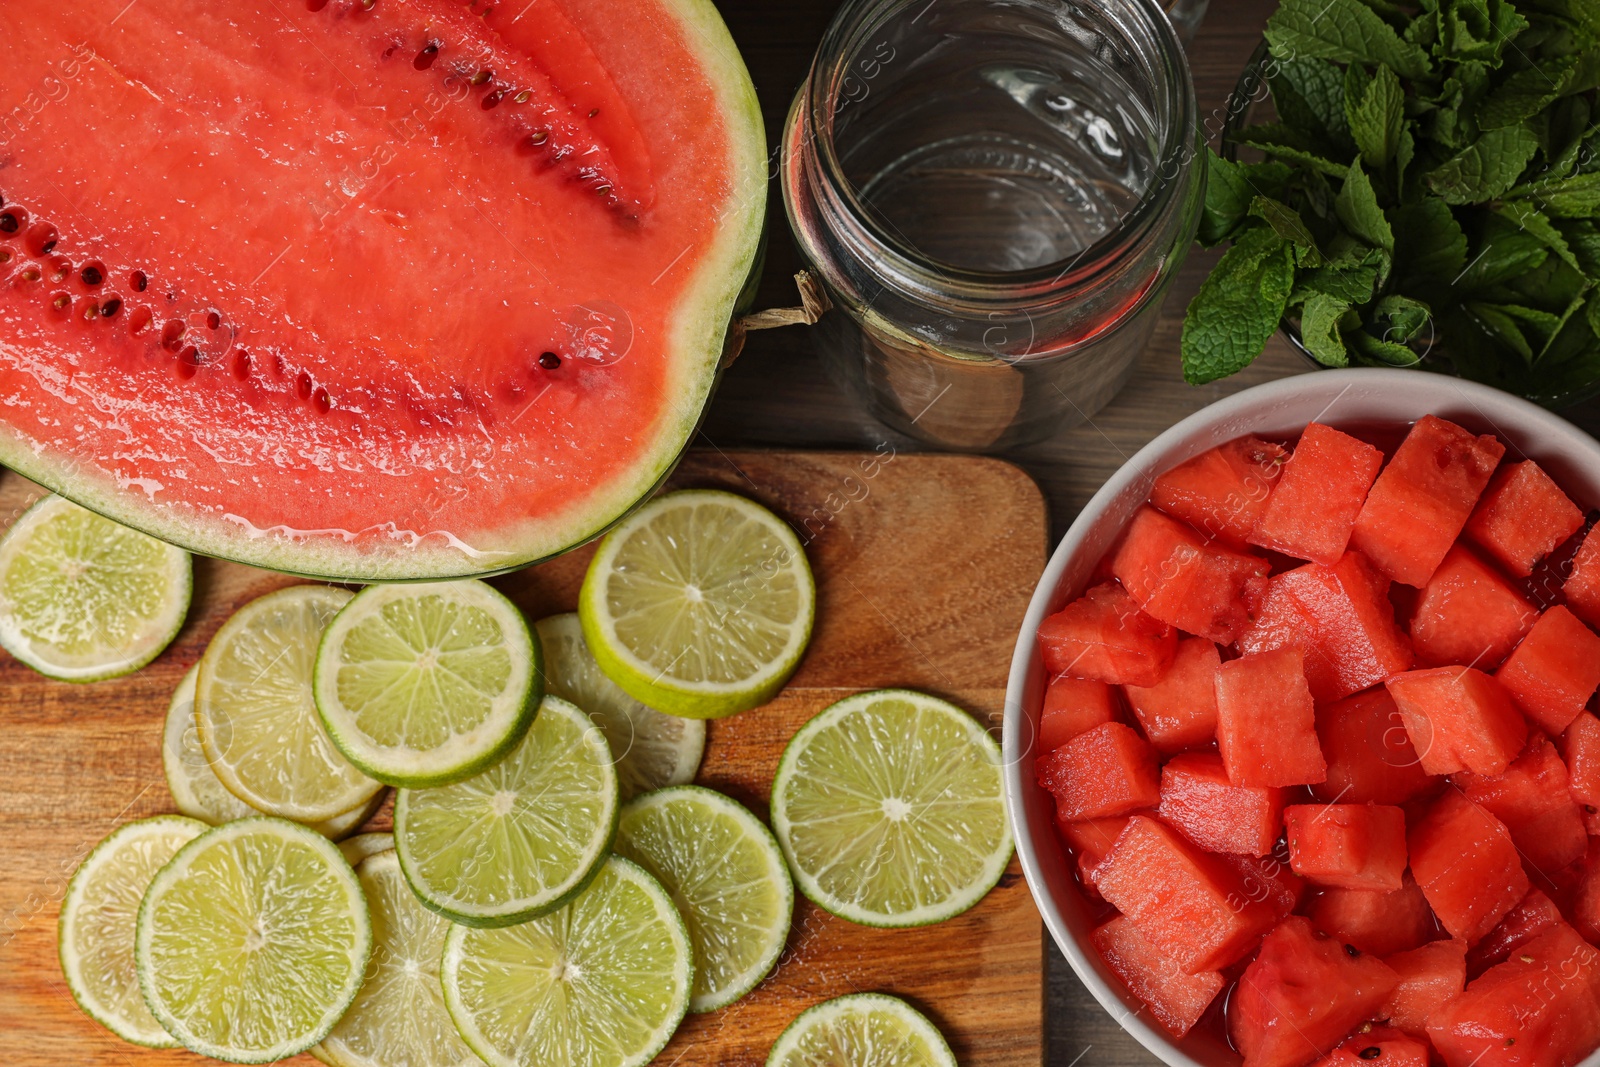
{"type": "Point", "coordinates": [603, 982]}
{"type": "Point", "coordinates": [98, 916]}
{"type": "Point", "coordinates": [699, 604]}
{"type": "Point", "coordinates": [359, 847]}
{"type": "Point", "coordinates": [521, 838]}
{"type": "Point", "coordinates": [398, 1019]}
{"type": "Point", "coordinates": [651, 749]}
{"type": "Point", "coordinates": [82, 598]}
{"type": "Point", "coordinates": [257, 720]}
{"type": "Point", "coordinates": [727, 877]}
{"type": "Point", "coordinates": [423, 685]}
{"type": "Point", "coordinates": [888, 806]}
{"type": "Point", "coordinates": [861, 1030]}
{"type": "Point", "coordinates": [253, 940]}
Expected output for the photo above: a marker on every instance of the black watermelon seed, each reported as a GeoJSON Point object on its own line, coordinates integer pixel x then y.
{"type": "Point", "coordinates": [549, 360]}
{"type": "Point", "coordinates": [426, 57]}
{"type": "Point", "coordinates": [111, 306]}
{"type": "Point", "coordinates": [524, 96]}
{"type": "Point", "coordinates": [593, 112]}
{"type": "Point", "coordinates": [138, 280]}
{"type": "Point", "coordinates": [1371, 1052]}
{"type": "Point", "coordinates": [93, 274]}
{"type": "Point", "coordinates": [1352, 950]}
{"type": "Point", "coordinates": [483, 77]}
{"type": "Point", "coordinates": [10, 222]}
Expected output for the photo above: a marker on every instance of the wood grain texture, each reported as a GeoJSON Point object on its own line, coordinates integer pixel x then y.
{"type": "Point", "coordinates": [924, 567]}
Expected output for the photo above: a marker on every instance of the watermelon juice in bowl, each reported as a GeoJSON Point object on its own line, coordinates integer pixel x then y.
{"type": "Point", "coordinates": [1300, 747]}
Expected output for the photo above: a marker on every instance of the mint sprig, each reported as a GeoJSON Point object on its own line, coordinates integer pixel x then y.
{"type": "Point", "coordinates": [1429, 191]}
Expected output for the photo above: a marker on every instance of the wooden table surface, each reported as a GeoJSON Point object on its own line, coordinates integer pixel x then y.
{"type": "Point", "coordinates": [777, 394]}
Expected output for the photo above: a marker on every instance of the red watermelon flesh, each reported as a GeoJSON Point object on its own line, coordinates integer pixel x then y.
{"type": "Point", "coordinates": [1554, 671]}
{"type": "Point", "coordinates": [1469, 614]}
{"type": "Point", "coordinates": [1347, 846]}
{"type": "Point", "coordinates": [1223, 491]}
{"type": "Point", "coordinates": [1467, 866]}
{"type": "Point", "coordinates": [1103, 636]}
{"type": "Point", "coordinates": [1429, 976]}
{"type": "Point", "coordinates": [1459, 719]}
{"type": "Point", "coordinates": [1090, 840]}
{"type": "Point", "coordinates": [1423, 498]}
{"type": "Point", "coordinates": [1179, 712]}
{"type": "Point", "coordinates": [1266, 721]}
{"type": "Point", "coordinates": [1522, 517]}
{"type": "Point", "coordinates": [1176, 999]}
{"type": "Point", "coordinates": [1380, 1046]}
{"type": "Point", "coordinates": [1540, 1008]}
{"type": "Point", "coordinates": [1314, 506]}
{"type": "Point", "coordinates": [369, 291]}
{"type": "Point", "coordinates": [1302, 995]}
{"type": "Point", "coordinates": [1071, 706]}
{"type": "Point", "coordinates": [1374, 921]}
{"type": "Point", "coordinates": [1179, 578]}
{"type": "Point", "coordinates": [1198, 798]}
{"type": "Point", "coordinates": [1187, 903]}
{"type": "Point", "coordinates": [1109, 770]}
{"type": "Point", "coordinates": [1369, 754]}
{"type": "Point", "coordinates": [1580, 747]}
{"type": "Point", "coordinates": [1584, 905]}
{"type": "Point", "coordinates": [1268, 880]}
{"type": "Point", "coordinates": [1533, 801]}
{"type": "Point", "coordinates": [1581, 590]}
{"type": "Point", "coordinates": [1533, 915]}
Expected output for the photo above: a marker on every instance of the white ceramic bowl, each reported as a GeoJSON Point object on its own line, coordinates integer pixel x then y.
{"type": "Point", "coordinates": [1357, 399]}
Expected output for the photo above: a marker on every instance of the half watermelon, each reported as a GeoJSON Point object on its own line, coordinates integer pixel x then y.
{"type": "Point", "coordinates": [368, 289]}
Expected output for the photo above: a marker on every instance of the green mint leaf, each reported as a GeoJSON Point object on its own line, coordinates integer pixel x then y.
{"type": "Point", "coordinates": [1348, 285]}
{"type": "Point", "coordinates": [1477, 29]}
{"type": "Point", "coordinates": [1525, 93]}
{"type": "Point", "coordinates": [1309, 95]}
{"type": "Point", "coordinates": [1507, 254]}
{"type": "Point", "coordinates": [1319, 330]}
{"type": "Point", "coordinates": [1357, 206]}
{"type": "Point", "coordinates": [1404, 154]}
{"type": "Point", "coordinates": [1284, 220]}
{"type": "Point", "coordinates": [1529, 218]}
{"type": "Point", "coordinates": [1591, 312]}
{"type": "Point", "coordinates": [1374, 351]}
{"type": "Point", "coordinates": [1485, 169]}
{"type": "Point", "coordinates": [1582, 13]}
{"type": "Point", "coordinates": [1346, 31]}
{"type": "Point", "coordinates": [1570, 198]}
{"type": "Point", "coordinates": [1279, 140]}
{"type": "Point", "coordinates": [1583, 237]}
{"type": "Point", "coordinates": [1377, 118]}
{"type": "Point", "coordinates": [1230, 187]}
{"type": "Point", "coordinates": [1430, 246]}
{"type": "Point", "coordinates": [1569, 126]}
{"type": "Point", "coordinates": [1453, 121]}
{"type": "Point", "coordinates": [1502, 327]}
{"type": "Point", "coordinates": [1238, 307]}
{"type": "Point", "coordinates": [1399, 319]}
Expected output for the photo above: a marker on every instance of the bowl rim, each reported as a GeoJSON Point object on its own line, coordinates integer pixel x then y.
{"type": "Point", "coordinates": [1241, 414]}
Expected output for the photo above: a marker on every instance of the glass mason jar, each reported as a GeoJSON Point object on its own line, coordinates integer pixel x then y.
{"type": "Point", "coordinates": [996, 195]}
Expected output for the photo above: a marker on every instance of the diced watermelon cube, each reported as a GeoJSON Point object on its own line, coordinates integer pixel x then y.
{"type": "Point", "coordinates": [1348, 846]}
{"type": "Point", "coordinates": [1188, 904]}
{"type": "Point", "coordinates": [1585, 905]}
{"type": "Point", "coordinates": [1580, 746]}
{"type": "Point", "coordinates": [1268, 881]}
{"type": "Point", "coordinates": [1381, 1046]}
{"type": "Point", "coordinates": [1533, 915]}
{"type": "Point", "coordinates": [1266, 721]}
{"type": "Point", "coordinates": [1178, 577]}
{"type": "Point", "coordinates": [1467, 866]}
{"type": "Point", "coordinates": [1522, 517]}
{"type": "Point", "coordinates": [1313, 508]}
{"type": "Point", "coordinates": [1458, 719]}
{"type": "Point", "coordinates": [1581, 590]}
{"type": "Point", "coordinates": [1373, 921]}
{"type": "Point", "coordinates": [1222, 491]}
{"type": "Point", "coordinates": [1072, 706]}
{"type": "Point", "coordinates": [1179, 713]}
{"type": "Point", "coordinates": [1423, 498]}
{"type": "Point", "coordinates": [1429, 976]}
{"type": "Point", "coordinates": [1369, 754]}
{"type": "Point", "coordinates": [1109, 770]}
{"type": "Point", "coordinates": [1176, 999]}
{"type": "Point", "coordinates": [1540, 1008]}
{"type": "Point", "coordinates": [1104, 637]}
{"type": "Point", "coordinates": [1198, 798]}
{"type": "Point", "coordinates": [1554, 671]}
{"type": "Point", "coordinates": [1301, 995]}
{"type": "Point", "coordinates": [1090, 840]}
{"type": "Point", "coordinates": [1340, 617]}
{"type": "Point", "coordinates": [1469, 614]}
{"type": "Point", "coordinates": [1533, 801]}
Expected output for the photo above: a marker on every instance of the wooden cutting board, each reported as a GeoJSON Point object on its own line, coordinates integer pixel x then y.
{"type": "Point", "coordinates": [924, 567]}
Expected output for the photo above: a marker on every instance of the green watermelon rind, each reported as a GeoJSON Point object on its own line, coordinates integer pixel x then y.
{"type": "Point", "coordinates": [705, 313]}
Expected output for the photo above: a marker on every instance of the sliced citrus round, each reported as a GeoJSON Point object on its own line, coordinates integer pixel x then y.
{"type": "Point", "coordinates": [651, 749]}
{"type": "Point", "coordinates": [423, 685]}
{"type": "Point", "coordinates": [357, 848]}
{"type": "Point", "coordinates": [604, 982]}
{"type": "Point", "coordinates": [861, 1030]}
{"type": "Point", "coordinates": [399, 1018]}
{"type": "Point", "coordinates": [727, 876]}
{"type": "Point", "coordinates": [521, 838]}
{"type": "Point", "coordinates": [83, 598]}
{"type": "Point", "coordinates": [253, 941]}
{"type": "Point", "coordinates": [256, 716]}
{"type": "Point", "coordinates": [98, 917]}
{"type": "Point", "coordinates": [889, 808]}
{"type": "Point", "coordinates": [699, 604]}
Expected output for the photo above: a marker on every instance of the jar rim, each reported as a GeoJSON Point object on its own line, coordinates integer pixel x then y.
{"type": "Point", "coordinates": [1175, 102]}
